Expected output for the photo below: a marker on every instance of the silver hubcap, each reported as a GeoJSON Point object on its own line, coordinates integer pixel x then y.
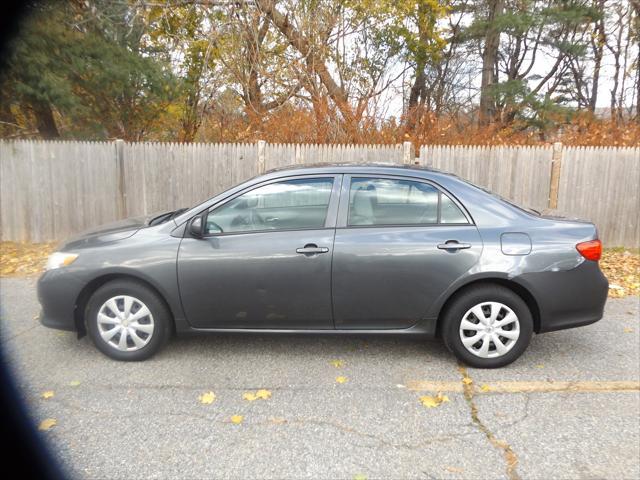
{"type": "Point", "coordinates": [489, 330]}
{"type": "Point", "coordinates": [125, 323]}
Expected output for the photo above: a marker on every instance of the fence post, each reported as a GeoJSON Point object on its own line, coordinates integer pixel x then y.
{"type": "Point", "coordinates": [556, 165]}
{"type": "Point", "coordinates": [262, 147]}
{"type": "Point", "coordinates": [122, 194]}
{"type": "Point", "coordinates": [298, 153]}
{"type": "Point", "coordinates": [408, 156]}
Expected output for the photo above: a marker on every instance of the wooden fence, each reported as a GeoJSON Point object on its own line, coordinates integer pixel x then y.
{"type": "Point", "coordinates": [50, 190]}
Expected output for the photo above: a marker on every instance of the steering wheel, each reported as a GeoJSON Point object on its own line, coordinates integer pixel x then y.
{"type": "Point", "coordinates": [211, 223]}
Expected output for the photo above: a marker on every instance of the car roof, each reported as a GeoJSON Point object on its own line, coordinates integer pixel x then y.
{"type": "Point", "coordinates": [481, 205]}
{"type": "Point", "coordinates": [342, 166]}
{"type": "Point", "coordinates": [444, 179]}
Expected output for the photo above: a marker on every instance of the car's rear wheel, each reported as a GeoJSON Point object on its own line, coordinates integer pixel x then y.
{"type": "Point", "coordinates": [127, 320]}
{"type": "Point", "coordinates": [487, 326]}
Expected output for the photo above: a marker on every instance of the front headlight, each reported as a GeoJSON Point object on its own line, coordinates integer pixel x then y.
{"type": "Point", "coordinates": [60, 259]}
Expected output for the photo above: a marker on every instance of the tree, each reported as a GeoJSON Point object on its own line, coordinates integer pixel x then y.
{"type": "Point", "coordinates": [256, 57]}
{"type": "Point", "coordinates": [319, 70]}
{"type": "Point", "coordinates": [87, 67]}
{"type": "Point", "coordinates": [517, 37]}
{"type": "Point", "coordinates": [617, 43]}
{"type": "Point", "coordinates": [188, 33]}
{"type": "Point", "coordinates": [487, 110]}
{"type": "Point", "coordinates": [635, 34]}
{"type": "Point", "coordinates": [342, 57]}
{"type": "Point", "coordinates": [315, 62]}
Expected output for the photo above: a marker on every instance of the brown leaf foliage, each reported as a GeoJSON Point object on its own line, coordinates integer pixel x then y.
{"type": "Point", "coordinates": [23, 259]}
{"type": "Point", "coordinates": [300, 125]}
{"type": "Point", "coordinates": [622, 269]}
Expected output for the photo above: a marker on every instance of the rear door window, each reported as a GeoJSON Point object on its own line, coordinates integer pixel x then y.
{"type": "Point", "coordinates": [388, 201]}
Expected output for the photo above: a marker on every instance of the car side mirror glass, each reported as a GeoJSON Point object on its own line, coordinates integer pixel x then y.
{"type": "Point", "coordinates": [195, 227]}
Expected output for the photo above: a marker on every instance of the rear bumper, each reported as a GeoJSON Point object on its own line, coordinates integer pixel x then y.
{"type": "Point", "coordinates": [568, 299]}
{"type": "Point", "coordinates": [57, 294]}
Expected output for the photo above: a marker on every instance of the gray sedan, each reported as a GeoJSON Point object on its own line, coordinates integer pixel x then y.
{"type": "Point", "coordinates": [347, 249]}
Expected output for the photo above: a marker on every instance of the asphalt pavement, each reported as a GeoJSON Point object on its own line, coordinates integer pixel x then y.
{"type": "Point", "coordinates": [568, 408]}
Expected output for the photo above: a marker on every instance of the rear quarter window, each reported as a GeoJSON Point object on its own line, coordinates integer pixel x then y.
{"type": "Point", "coordinates": [450, 212]}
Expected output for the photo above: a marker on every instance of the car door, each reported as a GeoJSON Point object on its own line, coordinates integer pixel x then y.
{"type": "Point", "coordinates": [400, 242]}
{"type": "Point", "coordinates": [265, 258]}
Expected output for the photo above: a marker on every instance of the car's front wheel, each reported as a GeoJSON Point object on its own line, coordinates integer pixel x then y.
{"type": "Point", "coordinates": [487, 326]}
{"type": "Point", "coordinates": [127, 320]}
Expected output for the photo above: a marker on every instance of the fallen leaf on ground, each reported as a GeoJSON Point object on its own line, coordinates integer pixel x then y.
{"type": "Point", "coordinates": [359, 476]}
{"type": "Point", "coordinates": [260, 394]}
{"type": "Point", "coordinates": [485, 388]}
{"type": "Point", "coordinates": [74, 383]}
{"type": "Point", "coordinates": [540, 365]}
{"type": "Point", "coordinates": [47, 424]}
{"type": "Point", "coordinates": [264, 394]}
{"type": "Point", "coordinates": [47, 394]}
{"type": "Point", "coordinates": [454, 469]}
{"type": "Point", "coordinates": [237, 419]}
{"type": "Point", "coordinates": [337, 363]}
{"type": "Point", "coordinates": [342, 379]}
{"type": "Point", "coordinates": [467, 380]}
{"type": "Point", "coordinates": [207, 398]}
{"type": "Point", "coordinates": [431, 402]}
{"type": "Point", "coordinates": [627, 330]}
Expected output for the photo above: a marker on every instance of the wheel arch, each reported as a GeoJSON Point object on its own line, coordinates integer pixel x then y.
{"type": "Point", "coordinates": [515, 287]}
{"type": "Point", "coordinates": [90, 288]}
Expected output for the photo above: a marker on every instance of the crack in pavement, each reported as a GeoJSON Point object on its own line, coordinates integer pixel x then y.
{"type": "Point", "coordinates": [510, 457]}
{"type": "Point", "coordinates": [525, 415]}
{"type": "Point", "coordinates": [221, 418]}
{"type": "Point", "coordinates": [381, 440]}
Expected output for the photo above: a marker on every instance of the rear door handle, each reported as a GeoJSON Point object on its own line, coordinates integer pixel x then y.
{"type": "Point", "coordinates": [311, 248]}
{"type": "Point", "coordinates": [453, 245]}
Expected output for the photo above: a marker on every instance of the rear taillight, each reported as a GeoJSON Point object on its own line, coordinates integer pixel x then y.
{"type": "Point", "coordinates": [591, 250]}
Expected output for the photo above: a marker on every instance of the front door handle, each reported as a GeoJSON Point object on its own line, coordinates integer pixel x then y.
{"type": "Point", "coordinates": [311, 248]}
{"type": "Point", "coordinates": [453, 245]}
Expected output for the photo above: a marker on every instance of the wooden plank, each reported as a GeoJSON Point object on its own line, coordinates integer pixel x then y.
{"type": "Point", "coordinates": [554, 184]}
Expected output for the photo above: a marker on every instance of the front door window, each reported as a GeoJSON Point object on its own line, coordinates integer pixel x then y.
{"type": "Point", "coordinates": [298, 204]}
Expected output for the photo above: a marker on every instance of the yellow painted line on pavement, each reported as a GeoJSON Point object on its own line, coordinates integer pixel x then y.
{"type": "Point", "coordinates": [527, 387]}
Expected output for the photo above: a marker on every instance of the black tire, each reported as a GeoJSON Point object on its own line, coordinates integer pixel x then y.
{"type": "Point", "coordinates": [471, 297]}
{"type": "Point", "coordinates": [162, 318]}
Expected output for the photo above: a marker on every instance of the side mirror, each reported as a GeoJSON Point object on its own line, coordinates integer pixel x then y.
{"type": "Point", "coordinates": [196, 227]}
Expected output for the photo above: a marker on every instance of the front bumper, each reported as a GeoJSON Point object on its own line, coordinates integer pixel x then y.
{"type": "Point", "coordinates": [58, 291]}
{"type": "Point", "coordinates": [568, 299]}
